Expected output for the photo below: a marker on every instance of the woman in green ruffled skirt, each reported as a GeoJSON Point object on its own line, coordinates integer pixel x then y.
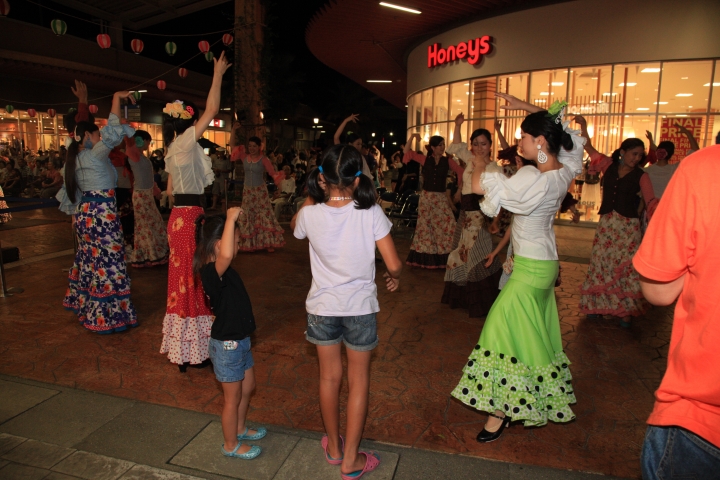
{"type": "Point", "coordinates": [518, 370]}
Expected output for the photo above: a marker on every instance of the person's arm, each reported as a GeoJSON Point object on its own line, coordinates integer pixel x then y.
{"type": "Point", "coordinates": [517, 104]}
{"type": "Point", "coordinates": [80, 91]}
{"type": "Point", "coordinates": [227, 242]}
{"type": "Point", "coordinates": [212, 106]}
{"type": "Point", "coordinates": [661, 293]}
{"type": "Point", "coordinates": [503, 142]}
{"type": "Point", "coordinates": [277, 177]}
{"type": "Point", "coordinates": [352, 118]}
{"type": "Point", "coordinates": [648, 195]}
{"type": "Point", "coordinates": [410, 154]}
{"type": "Point", "coordinates": [505, 240]}
{"type": "Point", "coordinates": [649, 136]}
{"type": "Point", "coordinates": [386, 246]}
{"type": "Point", "coordinates": [693, 143]}
{"type": "Point", "coordinates": [457, 133]}
{"type": "Point", "coordinates": [580, 120]}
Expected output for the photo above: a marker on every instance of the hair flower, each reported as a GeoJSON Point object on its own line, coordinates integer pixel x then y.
{"type": "Point", "coordinates": [557, 111]}
{"type": "Point", "coordinates": [177, 109]}
{"type": "Point", "coordinates": [190, 110]}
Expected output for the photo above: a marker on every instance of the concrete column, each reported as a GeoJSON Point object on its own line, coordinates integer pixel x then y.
{"type": "Point", "coordinates": [248, 48]}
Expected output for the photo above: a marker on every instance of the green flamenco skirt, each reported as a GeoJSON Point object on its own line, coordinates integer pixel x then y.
{"type": "Point", "coordinates": [518, 365]}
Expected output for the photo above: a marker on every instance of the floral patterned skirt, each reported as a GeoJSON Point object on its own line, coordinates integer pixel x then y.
{"type": "Point", "coordinates": [188, 318]}
{"type": "Point", "coordinates": [150, 245]}
{"type": "Point", "coordinates": [99, 289]}
{"type": "Point", "coordinates": [612, 285]}
{"type": "Point", "coordinates": [4, 217]}
{"type": "Point", "coordinates": [433, 239]}
{"type": "Point", "coordinates": [518, 365]}
{"type": "Point", "coordinates": [468, 284]}
{"type": "Point", "coordinates": [259, 229]}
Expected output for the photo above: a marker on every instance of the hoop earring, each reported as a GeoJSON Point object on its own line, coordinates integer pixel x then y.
{"type": "Point", "coordinates": [542, 157]}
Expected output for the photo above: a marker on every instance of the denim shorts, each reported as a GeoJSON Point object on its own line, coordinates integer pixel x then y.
{"type": "Point", "coordinates": [673, 452]}
{"type": "Point", "coordinates": [230, 365]}
{"type": "Point", "coordinates": [359, 333]}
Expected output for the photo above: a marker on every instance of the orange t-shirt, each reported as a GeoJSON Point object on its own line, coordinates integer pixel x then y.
{"type": "Point", "coordinates": [684, 238]}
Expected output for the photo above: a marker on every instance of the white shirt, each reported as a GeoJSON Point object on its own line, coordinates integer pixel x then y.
{"type": "Point", "coordinates": [187, 164]}
{"type": "Point", "coordinates": [660, 177]}
{"type": "Point", "coordinates": [287, 185]}
{"type": "Point", "coordinates": [342, 257]}
{"type": "Point", "coordinates": [461, 151]}
{"type": "Point", "coordinates": [534, 198]}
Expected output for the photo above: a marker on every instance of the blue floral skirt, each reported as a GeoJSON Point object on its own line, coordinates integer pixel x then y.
{"type": "Point", "coordinates": [99, 289]}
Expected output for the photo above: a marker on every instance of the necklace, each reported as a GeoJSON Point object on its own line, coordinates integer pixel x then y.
{"type": "Point", "coordinates": [338, 199]}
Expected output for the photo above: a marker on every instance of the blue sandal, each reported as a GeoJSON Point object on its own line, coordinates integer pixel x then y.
{"type": "Point", "coordinates": [249, 455]}
{"type": "Point", "coordinates": [261, 432]}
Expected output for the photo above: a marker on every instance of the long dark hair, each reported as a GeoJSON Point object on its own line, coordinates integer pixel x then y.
{"type": "Point", "coordinates": [481, 132]}
{"type": "Point", "coordinates": [174, 126]}
{"type": "Point", "coordinates": [75, 129]}
{"type": "Point", "coordinates": [541, 123]}
{"type": "Point", "coordinates": [208, 231]}
{"type": "Point", "coordinates": [629, 144]}
{"type": "Point", "coordinates": [340, 166]}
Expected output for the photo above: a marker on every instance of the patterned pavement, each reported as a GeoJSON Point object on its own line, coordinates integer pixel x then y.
{"type": "Point", "coordinates": [423, 347]}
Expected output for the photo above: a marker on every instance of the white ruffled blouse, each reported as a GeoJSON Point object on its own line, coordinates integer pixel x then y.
{"type": "Point", "coordinates": [461, 151]}
{"type": "Point", "coordinates": [534, 198]}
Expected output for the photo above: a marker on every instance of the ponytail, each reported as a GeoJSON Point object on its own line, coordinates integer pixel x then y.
{"type": "Point", "coordinates": [70, 181]}
{"type": "Point", "coordinates": [340, 166]}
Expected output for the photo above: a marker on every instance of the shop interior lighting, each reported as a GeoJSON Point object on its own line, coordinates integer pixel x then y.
{"type": "Point", "coordinates": [316, 120]}
{"type": "Point", "coordinates": [557, 84]}
{"type": "Point", "coordinates": [681, 115]}
{"type": "Point", "coordinates": [398, 7]}
{"type": "Point", "coordinates": [715, 84]}
{"type": "Point", "coordinates": [642, 109]}
{"type": "Point", "coordinates": [378, 81]}
{"type": "Point", "coordinates": [544, 94]}
{"type": "Point", "coordinates": [660, 103]}
{"type": "Point", "coordinates": [683, 94]}
{"type": "Point", "coordinates": [650, 70]}
{"type": "Point", "coordinates": [683, 78]}
{"type": "Point", "coordinates": [629, 84]}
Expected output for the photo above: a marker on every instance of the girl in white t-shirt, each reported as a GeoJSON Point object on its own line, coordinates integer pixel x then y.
{"type": "Point", "coordinates": [344, 225]}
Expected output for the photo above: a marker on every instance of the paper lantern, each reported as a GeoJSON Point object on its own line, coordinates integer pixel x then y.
{"type": "Point", "coordinates": [137, 45]}
{"type": "Point", "coordinates": [31, 112]}
{"type": "Point", "coordinates": [9, 108]}
{"type": "Point", "coordinates": [170, 48]}
{"type": "Point", "coordinates": [93, 109]}
{"type": "Point", "coordinates": [182, 72]}
{"type": "Point", "coordinates": [59, 27]}
{"type": "Point", "coordinates": [51, 112]}
{"type": "Point", "coordinates": [204, 46]}
{"type": "Point", "coordinates": [137, 96]}
{"type": "Point", "coordinates": [227, 39]}
{"type": "Point", "coordinates": [161, 84]}
{"type": "Point", "coordinates": [4, 8]}
{"type": "Point", "coordinates": [104, 40]}
{"type": "Point", "coordinates": [209, 56]}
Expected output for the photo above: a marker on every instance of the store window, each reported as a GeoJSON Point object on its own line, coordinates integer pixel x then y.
{"type": "Point", "coordinates": [586, 89]}
{"type": "Point", "coordinates": [685, 87]}
{"type": "Point", "coordinates": [548, 86]}
{"type": "Point", "coordinates": [628, 126]}
{"type": "Point", "coordinates": [442, 95]}
{"type": "Point", "coordinates": [414, 110]}
{"type": "Point", "coordinates": [427, 104]}
{"type": "Point", "coordinates": [715, 90]}
{"type": "Point", "coordinates": [459, 94]}
{"type": "Point", "coordinates": [634, 89]}
{"type": "Point", "coordinates": [515, 85]}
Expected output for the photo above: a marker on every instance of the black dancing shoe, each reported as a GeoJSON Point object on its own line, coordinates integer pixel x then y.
{"type": "Point", "coordinates": [486, 437]}
{"type": "Point", "coordinates": [205, 363]}
{"type": "Point", "coordinates": [183, 367]}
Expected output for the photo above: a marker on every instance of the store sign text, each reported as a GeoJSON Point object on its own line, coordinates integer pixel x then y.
{"type": "Point", "coordinates": [472, 51]}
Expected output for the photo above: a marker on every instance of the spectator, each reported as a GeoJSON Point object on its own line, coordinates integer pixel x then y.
{"type": "Point", "coordinates": [52, 183]}
{"type": "Point", "coordinates": [284, 192]}
{"type": "Point", "coordinates": [221, 166]}
{"type": "Point", "coordinates": [678, 257]}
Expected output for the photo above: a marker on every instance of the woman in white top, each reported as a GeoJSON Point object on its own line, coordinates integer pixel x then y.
{"type": "Point", "coordinates": [468, 283]}
{"type": "Point", "coordinates": [518, 368]}
{"type": "Point", "coordinates": [188, 318]}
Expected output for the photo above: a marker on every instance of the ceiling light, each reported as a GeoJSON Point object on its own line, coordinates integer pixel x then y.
{"type": "Point", "coordinates": [391, 134]}
{"type": "Point", "coordinates": [683, 78]}
{"type": "Point", "coordinates": [142, 91]}
{"type": "Point", "coordinates": [316, 120]}
{"type": "Point", "coordinates": [629, 84]}
{"type": "Point", "coordinates": [373, 134]}
{"type": "Point", "coordinates": [557, 84]}
{"type": "Point", "coordinates": [226, 109]}
{"type": "Point", "coordinates": [466, 84]}
{"type": "Point", "coordinates": [607, 94]}
{"type": "Point", "coordinates": [398, 7]}
{"type": "Point", "coordinates": [660, 103]}
{"type": "Point", "coordinates": [715, 84]}
{"type": "Point", "coordinates": [379, 81]}
{"type": "Point", "coordinates": [683, 94]}
{"type": "Point", "coordinates": [681, 115]}
{"type": "Point", "coordinates": [544, 94]}
{"type": "Point", "coordinates": [650, 70]}
{"type": "Point", "coordinates": [594, 78]}
{"type": "Point", "coordinates": [643, 109]}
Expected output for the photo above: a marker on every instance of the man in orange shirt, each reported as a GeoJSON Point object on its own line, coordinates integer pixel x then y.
{"type": "Point", "coordinates": [679, 258]}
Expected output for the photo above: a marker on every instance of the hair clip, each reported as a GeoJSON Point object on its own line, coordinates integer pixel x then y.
{"type": "Point", "coordinates": [320, 168]}
{"type": "Point", "coordinates": [359, 172]}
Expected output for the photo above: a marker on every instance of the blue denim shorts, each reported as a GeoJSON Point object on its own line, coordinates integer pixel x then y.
{"type": "Point", "coordinates": [359, 333]}
{"type": "Point", "coordinates": [230, 363]}
{"type": "Point", "coordinates": [673, 452]}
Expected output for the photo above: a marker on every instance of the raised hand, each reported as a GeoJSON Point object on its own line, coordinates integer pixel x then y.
{"type": "Point", "coordinates": [352, 118]}
{"type": "Point", "coordinates": [513, 103]}
{"type": "Point", "coordinates": [648, 135]}
{"type": "Point", "coordinates": [126, 94]}
{"type": "Point", "coordinates": [80, 91]}
{"type": "Point", "coordinates": [233, 213]}
{"type": "Point", "coordinates": [221, 64]}
{"type": "Point", "coordinates": [580, 120]}
{"type": "Point", "coordinates": [498, 125]}
{"type": "Point", "coordinates": [460, 119]}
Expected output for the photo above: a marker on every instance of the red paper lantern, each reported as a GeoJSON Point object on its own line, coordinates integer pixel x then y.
{"type": "Point", "coordinates": [161, 84]}
{"type": "Point", "coordinates": [4, 8]}
{"type": "Point", "coordinates": [93, 109]}
{"type": "Point", "coordinates": [204, 46]}
{"type": "Point", "coordinates": [137, 45]}
{"type": "Point", "coordinates": [31, 112]}
{"type": "Point", "coordinates": [182, 72]}
{"type": "Point", "coordinates": [51, 112]}
{"type": "Point", "coordinates": [227, 39]}
{"type": "Point", "coordinates": [104, 40]}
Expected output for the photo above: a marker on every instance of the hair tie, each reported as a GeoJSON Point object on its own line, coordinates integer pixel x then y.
{"type": "Point", "coordinates": [359, 172]}
{"type": "Point", "coordinates": [320, 168]}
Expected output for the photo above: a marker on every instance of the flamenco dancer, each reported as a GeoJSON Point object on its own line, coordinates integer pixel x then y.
{"type": "Point", "coordinates": [99, 287]}
{"type": "Point", "coordinates": [188, 319]}
{"type": "Point", "coordinates": [436, 224]}
{"type": "Point", "coordinates": [150, 243]}
{"type": "Point", "coordinates": [468, 282]}
{"type": "Point", "coordinates": [259, 229]}
{"type": "Point", "coordinates": [518, 370]}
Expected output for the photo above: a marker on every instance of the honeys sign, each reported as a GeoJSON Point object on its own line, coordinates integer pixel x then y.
{"type": "Point", "coordinates": [471, 51]}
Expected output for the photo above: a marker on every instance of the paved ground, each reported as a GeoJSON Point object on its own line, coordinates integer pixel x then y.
{"type": "Point", "coordinates": [423, 347]}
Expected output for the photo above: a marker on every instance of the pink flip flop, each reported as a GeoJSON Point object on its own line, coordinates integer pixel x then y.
{"type": "Point", "coordinates": [372, 460]}
{"type": "Point", "coordinates": [331, 460]}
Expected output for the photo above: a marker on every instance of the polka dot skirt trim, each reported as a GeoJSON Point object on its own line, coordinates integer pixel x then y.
{"type": "Point", "coordinates": [186, 339]}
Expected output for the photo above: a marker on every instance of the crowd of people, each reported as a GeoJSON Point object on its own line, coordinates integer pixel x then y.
{"type": "Point", "coordinates": [654, 226]}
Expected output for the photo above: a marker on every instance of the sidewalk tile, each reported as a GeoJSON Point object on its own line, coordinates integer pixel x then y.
{"type": "Point", "coordinates": [531, 472]}
{"type": "Point", "coordinates": [59, 476]}
{"type": "Point", "coordinates": [3, 463]}
{"type": "Point", "coordinates": [38, 454]}
{"type": "Point", "coordinates": [8, 442]}
{"type": "Point", "coordinates": [307, 460]}
{"type": "Point", "coordinates": [68, 418]}
{"type": "Point", "coordinates": [15, 398]}
{"type": "Point", "coordinates": [143, 472]}
{"type": "Point", "coordinates": [14, 471]}
{"type": "Point", "coordinates": [93, 467]}
{"type": "Point", "coordinates": [417, 463]}
{"type": "Point", "coordinates": [203, 453]}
